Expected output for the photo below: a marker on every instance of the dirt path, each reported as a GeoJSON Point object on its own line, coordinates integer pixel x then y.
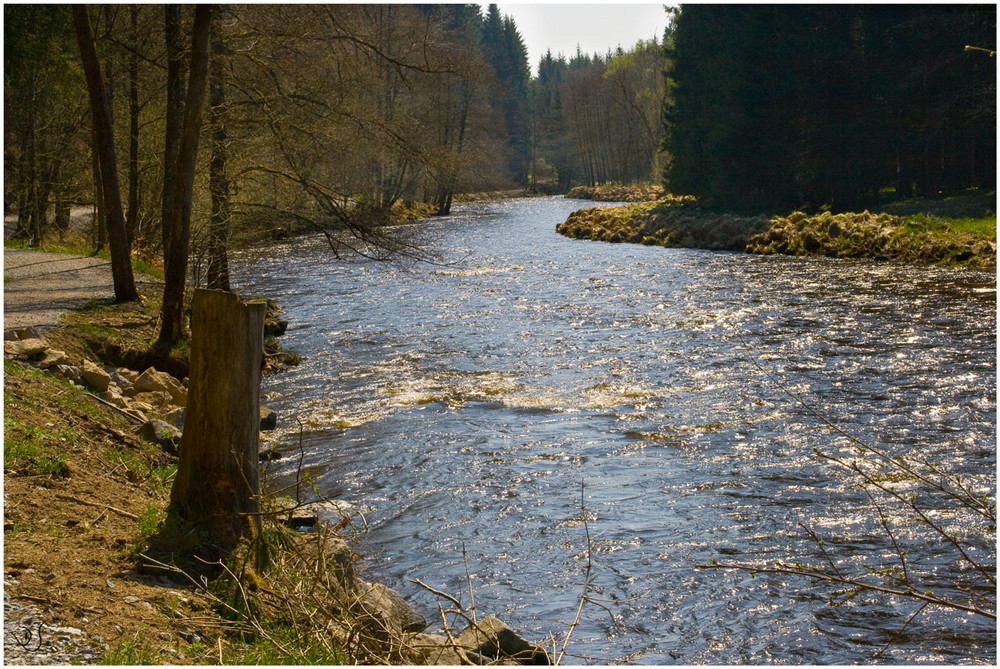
{"type": "Point", "coordinates": [38, 287]}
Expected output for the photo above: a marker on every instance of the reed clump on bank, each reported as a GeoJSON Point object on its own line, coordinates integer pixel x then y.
{"type": "Point", "coordinates": [663, 223]}
{"type": "Point", "coordinates": [619, 193]}
{"type": "Point", "coordinates": [919, 240]}
{"type": "Point", "coordinates": [679, 223]}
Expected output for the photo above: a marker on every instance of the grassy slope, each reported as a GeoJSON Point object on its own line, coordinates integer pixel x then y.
{"type": "Point", "coordinates": [83, 493]}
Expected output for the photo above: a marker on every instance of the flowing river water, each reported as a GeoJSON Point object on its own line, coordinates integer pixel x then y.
{"type": "Point", "coordinates": [539, 403]}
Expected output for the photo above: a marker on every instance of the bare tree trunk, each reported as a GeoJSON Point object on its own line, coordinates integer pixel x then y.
{"type": "Point", "coordinates": [62, 213]}
{"type": "Point", "coordinates": [218, 258]}
{"type": "Point", "coordinates": [99, 222]}
{"type": "Point", "coordinates": [177, 226]}
{"type": "Point", "coordinates": [36, 225]}
{"type": "Point", "coordinates": [217, 488]}
{"type": "Point", "coordinates": [132, 211]}
{"type": "Point", "coordinates": [23, 230]}
{"type": "Point", "coordinates": [121, 263]}
{"type": "Point", "coordinates": [174, 116]}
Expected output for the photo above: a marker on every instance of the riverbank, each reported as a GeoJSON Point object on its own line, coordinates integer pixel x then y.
{"type": "Point", "coordinates": [619, 193]}
{"type": "Point", "coordinates": [86, 489]}
{"type": "Point", "coordinates": [914, 238]}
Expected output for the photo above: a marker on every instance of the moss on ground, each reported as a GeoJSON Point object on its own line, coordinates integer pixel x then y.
{"type": "Point", "coordinates": [916, 238]}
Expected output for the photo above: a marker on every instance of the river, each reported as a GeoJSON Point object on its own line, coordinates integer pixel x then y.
{"type": "Point", "coordinates": [535, 403]}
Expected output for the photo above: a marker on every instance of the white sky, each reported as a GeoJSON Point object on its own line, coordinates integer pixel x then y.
{"type": "Point", "coordinates": [595, 27]}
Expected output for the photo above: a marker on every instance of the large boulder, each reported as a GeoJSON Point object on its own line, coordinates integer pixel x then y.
{"type": "Point", "coordinates": [435, 649]}
{"type": "Point", "coordinates": [122, 378]}
{"type": "Point", "coordinates": [328, 513]}
{"type": "Point", "coordinates": [113, 396]}
{"type": "Point", "coordinates": [332, 560]}
{"type": "Point", "coordinates": [488, 641]}
{"type": "Point", "coordinates": [95, 377]}
{"type": "Point", "coordinates": [50, 358]}
{"type": "Point", "coordinates": [384, 614]}
{"type": "Point", "coordinates": [30, 332]}
{"type": "Point", "coordinates": [70, 372]}
{"type": "Point", "coordinates": [268, 419]}
{"type": "Point", "coordinates": [491, 638]}
{"type": "Point", "coordinates": [275, 327]}
{"type": "Point", "coordinates": [154, 399]}
{"type": "Point", "coordinates": [176, 417]}
{"type": "Point", "coordinates": [154, 381]}
{"type": "Point", "coordinates": [24, 349]}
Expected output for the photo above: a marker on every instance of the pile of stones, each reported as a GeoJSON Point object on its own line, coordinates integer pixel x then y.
{"type": "Point", "coordinates": [152, 398]}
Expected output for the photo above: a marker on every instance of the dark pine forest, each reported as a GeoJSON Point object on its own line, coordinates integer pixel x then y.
{"type": "Point", "coordinates": [778, 106]}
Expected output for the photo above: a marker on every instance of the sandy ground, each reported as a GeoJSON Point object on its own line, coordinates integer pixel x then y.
{"type": "Point", "coordinates": [38, 287]}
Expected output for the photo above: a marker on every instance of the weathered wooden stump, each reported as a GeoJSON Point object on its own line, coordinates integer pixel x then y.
{"type": "Point", "coordinates": [216, 494]}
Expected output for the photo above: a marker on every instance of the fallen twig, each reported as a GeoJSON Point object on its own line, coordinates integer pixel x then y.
{"type": "Point", "coordinates": [120, 512]}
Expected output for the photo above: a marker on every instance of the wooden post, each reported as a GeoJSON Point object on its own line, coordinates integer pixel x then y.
{"type": "Point", "coordinates": [217, 488]}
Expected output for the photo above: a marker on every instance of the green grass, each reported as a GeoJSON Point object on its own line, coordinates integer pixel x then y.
{"type": "Point", "coordinates": [149, 521]}
{"type": "Point", "coordinates": [28, 448]}
{"type": "Point", "coordinates": [20, 441]}
{"type": "Point", "coordinates": [54, 467]}
{"type": "Point", "coordinates": [293, 650]}
{"type": "Point", "coordinates": [130, 652]}
{"type": "Point", "coordinates": [144, 464]}
{"type": "Point", "coordinates": [147, 524]}
{"type": "Point", "coordinates": [984, 227]}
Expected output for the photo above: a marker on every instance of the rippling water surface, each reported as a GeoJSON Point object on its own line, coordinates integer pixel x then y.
{"type": "Point", "coordinates": [474, 404]}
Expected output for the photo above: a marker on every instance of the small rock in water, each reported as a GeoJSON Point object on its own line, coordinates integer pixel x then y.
{"type": "Point", "coordinates": [268, 419]}
{"type": "Point", "coordinates": [270, 454]}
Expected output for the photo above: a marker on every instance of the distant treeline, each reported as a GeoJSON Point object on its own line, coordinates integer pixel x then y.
{"type": "Point", "coordinates": [335, 115]}
{"type": "Point", "coordinates": [779, 106]}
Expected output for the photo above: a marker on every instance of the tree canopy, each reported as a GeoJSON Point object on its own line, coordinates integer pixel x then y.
{"type": "Point", "coordinates": [776, 106]}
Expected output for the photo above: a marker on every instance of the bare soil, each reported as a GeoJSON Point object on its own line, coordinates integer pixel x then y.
{"type": "Point", "coordinates": [70, 528]}
{"type": "Point", "coordinates": [81, 489]}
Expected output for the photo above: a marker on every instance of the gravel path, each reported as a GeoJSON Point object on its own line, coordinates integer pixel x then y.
{"type": "Point", "coordinates": [38, 287]}
{"type": "Point", "coordinates": [28, 640]}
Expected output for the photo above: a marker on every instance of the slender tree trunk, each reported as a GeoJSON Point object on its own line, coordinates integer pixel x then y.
{"type": "Point", "coordinates": [121, 264]}
{"type": "Point", "coordinates": [36, 226]}
{"type": "Point", "coordinates": [99, 221]}
{"type": "Point", "coordinates": [218, 260]}
{"type": "Point", "coordinates": [62, 213]}
{"type": "Point", "coordinates": [177, 227]}
{"type": "Point", "coordinates": [216, 492]}
{"type": "Point", "coordinates": [24, 187]}
{"type": "Point", "coordinates": [174, 116]}
{"type": "Point", "coordinates": [132, 211]}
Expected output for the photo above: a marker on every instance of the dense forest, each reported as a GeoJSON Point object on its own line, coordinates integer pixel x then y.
{"type": "Point", "coordinates": [333, 116]}
{"type": "Point", "coordinates": [780, 106]}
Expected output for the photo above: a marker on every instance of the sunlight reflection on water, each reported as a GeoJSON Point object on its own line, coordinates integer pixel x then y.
{"type": "Point", "coordinates": [464, 406]}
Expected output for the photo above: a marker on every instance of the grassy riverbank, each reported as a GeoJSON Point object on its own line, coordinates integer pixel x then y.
{"type": "Point", "coordinates": [956, 232]}
{"type": "Point", "coordinates": [83, 493]}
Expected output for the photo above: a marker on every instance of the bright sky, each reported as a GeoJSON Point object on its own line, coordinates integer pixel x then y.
{"type": "Point", "coordinates": [594, 27]}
